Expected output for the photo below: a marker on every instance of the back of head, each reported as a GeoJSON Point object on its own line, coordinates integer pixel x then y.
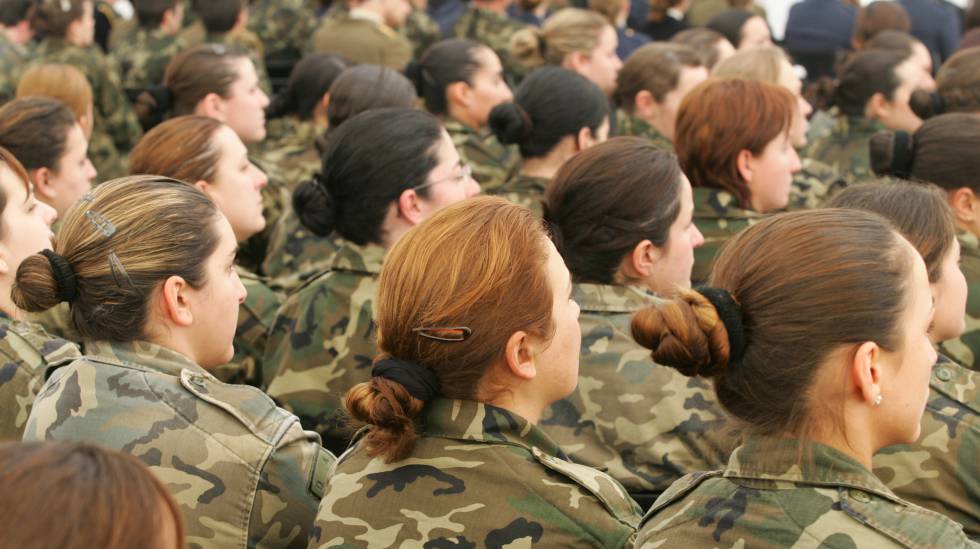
{"type": "Point", "coordinates": [942, 152]}
{"type": "Point", "coordinates": [550, 104]}
{"type": "Point", "coordinates": [762, 64]}
{"type": "Point", "coordinates": [368, 161]}
{"type": "Point", "coordinates": [150, 13]}
{"type": "Point", "coordinates": [702, 40]}
{"type": "Point", "coordinates": [309, 81]}
{"type": "Point", "coordinates": [58, 81]}
{"type": "Point", "coordinates": [606, 199]}
{"type": "Point", "coordinates": [729, 24]}
{"type": "Point", "coordinates": [892, 40]}
{"type": "Point", "coordinates": [181, 148]}
{"type": "Point", "coordinates": [35, 130]}
{"type": "Point", "coordinates": [102, 498]}
{"type": "Point", "coordinates": [957, 87]}
{"type": "Point", "coordinates": [53, 17]}
{"type": "Point", "coordinates": [655, 68]}
{"type": "Point", "coordinates": [479, 264]}
{"type": "Point", "coordinates": [722, 117]}
{"type": "Point", "coordinates": [864, 75]}
{"type": "Point", "coordinates": [442, 64]}
{"type": "Point", "coordinates": [566, 31]}
{"type": "Point", "coordinates": [880, 16]}
{"type": "Point", "coordinates": [121, 241]}
{"type": "Point", "coordinates": [920, 212]}
{"type": "Point", "coordinates": [785, 321]}
{"type": "Point", "coordinates": [365, 87]}
{"type": "Point", "coordinates": [13, 12]}
{"type": "Point", "coordinates": [219, 16]}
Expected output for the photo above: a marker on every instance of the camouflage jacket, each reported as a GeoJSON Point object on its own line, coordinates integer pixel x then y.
{"type": "Point", "coordinates": [362, 41]}
{"type": "Point", "coordinates": [718, 217]}
{"type": "Point", "coordinates": [322, 341]}
{"type": "Point", "coordinates": [966, 348]}
{"type": "Point", "coordinates": [242, 470]}
{"type": "Point", "coordinates": [248, 42]}
{"type": "Point", "coordinates": [284, 26]}
{"type": "Point", "coordinates": [26, 351]}
{"type": "Point", "coordinates": [633, 126]}
{"type": "Point", "coordinates": [296, 255]}
{"type": "Point", "coordinates": [478, 476]}
{"type": "Point", "coordinates": [813, 185]}
{"type": "Point", "coordinates": [143, 59]}
{"type": "Point", "coordinates": [941, 471]}
{"type": "Point", "coordinates": [290, 148]}
{"type": "Point", "coordinates": [13, 59]}
{"type": "Point", "coordinates": [255, 316]}
{"type": "Point", "coordinates": [494, 30]}
{"type": "Point", "coordinates": [116, 128]}
{"type": "Point", "coordinates": [841, 142]}
{"type": "Point", "coordinates": [644, 424]}
{"type": "Point", "coordinates": [526, 190]}
{"type": "Point", "coordinates": [768, 496]}
{"type": "Point", "coordinates": [492, 162]}
{"type": "Point", "coordinates": [421, 30]}
{"type": "Point", "coordinates": [276, 198]}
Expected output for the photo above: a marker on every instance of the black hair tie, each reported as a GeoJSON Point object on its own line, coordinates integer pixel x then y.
{"type": "Point", "coordinates": [64, 276]}
{"type": "Point", "coordinates": [731, 316]}
{"type": "Point", "coordinates": [902, 147]}
{"type": "Point", "coordinates": [936, 103]}
{"type": "Point", "coordinates": [419, 381]}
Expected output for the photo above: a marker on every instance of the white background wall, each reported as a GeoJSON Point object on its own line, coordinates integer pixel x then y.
{"type": "Point", "coordinates": [778, 11]}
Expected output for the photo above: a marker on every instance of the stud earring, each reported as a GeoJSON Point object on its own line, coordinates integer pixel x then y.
{"type": "Point", "coordinates": [878, 399]}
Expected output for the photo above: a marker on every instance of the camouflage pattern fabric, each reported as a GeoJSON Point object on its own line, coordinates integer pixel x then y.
{"type": "Point", "coordinates": [494, 30]}
{"type": "Point", "coordinates": [644, 424]}
{"type": "Point", "coordinates": [57, 322]}
{"type": "Point", "coordinates": [492, 162]}
{"type": "Point", "coordinates": [627, 125]}
{"type": "Point", "coordinates": [143, 58]}
{"type": "Point", "coordinates": [813, 185]}
{"type": "Point", "coordinates": [323, 341]}
{"type": "Point", "coordinates": [941, 471]}
{"type": "Point", "coordinates": [842, 145]}
{"type": "Point", "coordinates": [422, 31]}
{"type": "Point", "coordinates": [966, 348]}
{"type": "Point", "coordinates": [13, 59]}
{"type": "Point", "coordinates": [718, 217]}
{"type": "Point", "coordinates": [26, 352]}
{"type": "Point", "coordinates": [772, 494]}
{"type": "Point", "coordinates": [242, 470]}
{"type": "Point", "coordinates": [255, 316]}
{"type": "Point", "coordinates": [296, 255]}
{"type": "Point", "coordinates": [478, 476]}
{"type": "Point", "coordinates": [526, 190]}
{"type": "Point", "coordinates": [276, 198]}
{"type": "Point", "coordinates": [290, 149]}
{"type": "Point", "coordinates": [284, 26]}
{"type": "Point", "coordinates": [362, 41]}
{"type": "Point", "coordinates": [116, 128]}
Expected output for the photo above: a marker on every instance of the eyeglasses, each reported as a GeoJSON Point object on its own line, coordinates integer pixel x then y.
{"type": "Point", "coordinates": [465, 173]}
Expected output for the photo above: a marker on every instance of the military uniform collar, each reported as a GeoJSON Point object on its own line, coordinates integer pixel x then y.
{"type": "Point", "coordinates": [855, 125]}
{"type": "Point", "coordinates": [716, 203]}
{"type": "Point", "coordinates": [611, 298]}
{"type": "Point", "coordinates": [628, 124]}
{"type": "Point", "coordinates": [476, 421]}
{"type": "Point", "coordinates": [453, 125]}
{"type": "Point", "coordinates": [520, 182]}
{"type": "Point", "coordinates": [354, 257]}
{"type": "Point", "coordinates": [141, 355]}
{"type": "Point", "coordinates": [815, 464]}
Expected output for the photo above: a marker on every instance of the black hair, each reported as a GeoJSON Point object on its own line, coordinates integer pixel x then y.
{"type": "Point", "coordinates": [444, 63]}
{"type": "Point", "coordinates": [13, 12]}
{"type": "Point", "coordinates": [367, 163]}
{"type": "Point", "coordinates": [219, 16]}
{"type": "Point", "coordinates": [309, 81]}
{"type": "Point", "coordinates": [550, 103]}
{"type": "Point", "coordinates": [861, 77]}
{"type": "Point", "coordinates": [366, 87]}
{"type": "Point", "coordinates": [149, 13]}
{"type": "Point", "coordinates": [729, 24]}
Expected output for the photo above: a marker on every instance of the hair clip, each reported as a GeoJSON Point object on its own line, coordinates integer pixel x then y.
{"type": "Point", "coordinates": [103, 225]}
{"type": "Point", "coordinates": [65, 5]}
{"type": "Point", "coordinates": [87, 197]}
{"type": "Point", "coordinates": [449, 333]}
{"type": "Point", "coordinates": [119, 274]}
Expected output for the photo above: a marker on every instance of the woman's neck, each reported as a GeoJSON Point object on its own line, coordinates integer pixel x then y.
{"type": "Point", "coordinates": [466, 117]}
{"type": "Point", "coordinates": [544, 167]}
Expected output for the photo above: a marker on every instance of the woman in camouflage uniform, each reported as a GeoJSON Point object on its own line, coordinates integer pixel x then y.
{"type": "Point", "coordinates": [947, 481]}
{"type": "Point", "coordinates": [555, 114]}
{"type": "Point", "coordinates": [384, 171]}
{"type": "Point", "coordinates": [461, 81]}
{"type": "Point", "coordinates": [26, 350]}
{"type": "Point", "coordinates": [815, 332]}
{"type": "Point", "coordinates": [478, 334]}
{"type": "Point", "coordinates": [147, 264]}
{"type": "Point", "coordinates": [621, 215]}
{"type": "Point", "coordinates": [734, 143]}
{"type": "Point", "coordinates": [210, 156]}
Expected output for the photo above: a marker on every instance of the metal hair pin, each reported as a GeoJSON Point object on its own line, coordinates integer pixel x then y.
{"type": "Point", "coordinates": [103, 225]}
{"type": "Point", "coordinates": [449, 333]}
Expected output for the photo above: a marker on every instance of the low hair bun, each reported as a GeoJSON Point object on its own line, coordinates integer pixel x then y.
{"type": "Point", "coordinates": [415, 73]}
{"type": "Point", "coordinates": [314, 207]}
{"type": "Point", "coordinates": [927, 104]}
{"type": "Point", "coordinates": [35, 286]}
{"type": "Point", "coordinates": [510, 123]}
{"type": "Point", "coordinates": [891, 154]}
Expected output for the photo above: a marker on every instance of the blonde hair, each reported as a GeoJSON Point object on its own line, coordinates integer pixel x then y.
{"type": "Point", "coordinates": [762, 64]}
{"type": "Point", "coordinates": [59, 81]}
{"type": "Point", "coordinates": [565, 32]}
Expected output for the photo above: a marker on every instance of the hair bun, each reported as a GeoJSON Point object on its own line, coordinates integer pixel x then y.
{"type": "Point", "coordinates": [415, 73]}
{"type": "Point", "coordinates": [903, 147]}
{"type": "Point", "coordinates": [510, 123]}
{"type": "Point", "coordinates": [314, 206]}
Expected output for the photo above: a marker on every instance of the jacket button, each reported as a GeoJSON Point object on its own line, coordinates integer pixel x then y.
{"type": "Point", "coordinates": [860, 496]}
{"type": "Point", "coordinates": [944, 374]}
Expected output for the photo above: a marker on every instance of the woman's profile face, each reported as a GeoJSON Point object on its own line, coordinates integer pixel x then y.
{"type": "Point", "coordinates": [245, 105]}
{"type": "Point", "coordinates": [950, 293]}
{"type": "Point", "coordinates": [771, 174]}
{"type": "Point", "coordinates": [25, 222]}
{"type": "Point", "coordinates": [558, 359]}
{"type": "Point", "coordinates": [675, 261]}
{"type": "Point", "coordinates": [487, 85]}
{"type": "Point", "coordinates": [73, 174]}
{"type": "Point", "coordinates": [237, 185]}
{"type": "Point", "coordinates": [755, 33]}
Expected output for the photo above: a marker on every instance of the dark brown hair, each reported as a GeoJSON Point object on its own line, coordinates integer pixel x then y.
{"type": "Point", "coordinates": [608, 198]}
{"type": "Point", "coordinates": [655, 68]}
{"type": "Point", "coordinates": [721, 118]}
{"type": "Point", "coordinates": [160, 228]}
{"type": "Point", "coordinates": [853, 290]}
{"type": "Point", "coordinates": [957, 87]}
{"type": "Point", "coordinates": [702, 40]}
{"type": "Point", "coordinates": [879, 16]}
{"type": "Point", "coordinates": [10, 162]}
{"type": "Point", "coordinates": [76, 495]}
{"type": "Point", "coordinates": [366, 87]}
{"type": "Point", "coordinates": [859, 78]}
{"type": "Point", "coordinates": [52, 20]}
{"type": "Point", "coordinates": [35, 130]}
{"type": "Point", "coordinates": [182, 148]}
{"type": "Point", "coordinates": [919, 212]}
{"type": "Point", "coordinates": [480, 263]}
{"type": "Point", "coordinates": [150, 13]}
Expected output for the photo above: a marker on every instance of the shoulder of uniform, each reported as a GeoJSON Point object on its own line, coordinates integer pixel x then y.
{"type": "Point", "coordinates": [607, 490]}
{"type": "Point", "coordinates": [50, 349]}
{"type": "Point", "coordinates": [908, 524]}
{"type": "Point", "coordinates": [680, 489]}
{"type": "Point", "coordinates": [956, 382]}
{"type": "Point", "coordinates": [250, 407]}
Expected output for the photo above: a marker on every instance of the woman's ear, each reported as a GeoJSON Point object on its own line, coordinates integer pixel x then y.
{"type": "Point", "coordinates": [638, 264]}
{"type": "Point", "coordinates": [174, 301]}
{"type": "Point", "coordinates": [212, 106]}
{"type": "Point", "coordinates": [878, 107]}
{"type": "Point", "coordinates": [963, 202]}
{"type": "Point", "coordinates": [519, 356]}
{"type": "Point", "coordinates": [644, 104]}
{"type": "Point", "coordinates": [459, 93]}
{"type": "Point", "coordinates": [410, 207]}
{"type": "Point", "coordinates": [744, 163]}
{"type": "Point", "coordinates": [43, 188]}
{"type": "Point", "coordinates": [865, 372]}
